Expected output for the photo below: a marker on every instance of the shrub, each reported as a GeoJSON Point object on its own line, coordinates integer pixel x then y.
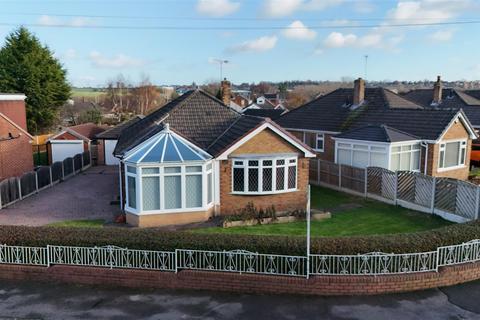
{"type": "Point", "coordinates": [154, 239]}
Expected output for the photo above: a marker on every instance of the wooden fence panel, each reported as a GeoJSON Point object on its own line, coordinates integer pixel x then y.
{"type": "Point", "coordinates": [466, 204]}
{"type": "Point", "coordinates": [353, 178]}
{"type": "Point", "coordinates": [446, 194]}
{"type": "Point", "coordinates": [57, 174]}
{"type": "Point", "coordinates": [77, 162]}
{"type": "Point", "coordinates": [381, 182]}
{"type": "Point", "coordinates": [415, 188]}
{"type": "Point", "coordinates": [43, 176]}
{"type": "Point", "coordinates": [329, 173]}
{"type": "Point", "coordinates": [67, 167]}
{"type": "Point", "coordinates": [28, 183]}
{"type": "Point", "coordinates": [10, 191]}
{"type": "Point", "coordinates": [86, 158]}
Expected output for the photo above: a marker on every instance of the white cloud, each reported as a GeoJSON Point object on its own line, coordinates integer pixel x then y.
{"type": "Point", "coordinates": [370, 40]}
{"type": "Point", "coordinates": [442, 35]}
{"type": "Point", "coordinates": [338, 40]}
{"type": "Point", "coordinates": [258, 45]}
{"type": "Point", "coordinates": [431, 11]}
{"type": "Point", "coordinates": [217, 8]}
{"type": "Point", "coordinates": [282, 8]}
{"type": "Point", "coordinates": [46, 20]}
{"type": "Point", "coordinates": [297, 30]}
{"type": "Point", "coordinates": [118, 61]}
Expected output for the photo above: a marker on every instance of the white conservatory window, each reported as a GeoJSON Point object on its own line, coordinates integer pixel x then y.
{"type": "Point", "coordinates": [405, 157]}
{"type": "Point", "coordinates": [264, 175]}
{"type": "Point", "coordinates": [361, 155]}
{"type": "Point", "coordinates": [168, 174]}
{"type": "Point", "coordinates": [452, 154]}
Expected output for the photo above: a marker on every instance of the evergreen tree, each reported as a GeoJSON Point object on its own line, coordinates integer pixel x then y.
{"type": "Point", "coordinates": [27, 66]}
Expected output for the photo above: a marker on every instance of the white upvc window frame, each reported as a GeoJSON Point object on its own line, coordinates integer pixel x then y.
{"type": "Point", "coordinates": [127, 196]}
{"type": "Point", "coordinates": [207, 169]}
{"type": "Point", "coordinates": [319, 136]}
{"type": "Point", "coordinates": [349, 145]}
{"type": "Point", "coordinates": [462, 150]}
{"type": "Point", "coordinates": [412, 151]}
{"type": "Point", "coordinates": [243, 163]}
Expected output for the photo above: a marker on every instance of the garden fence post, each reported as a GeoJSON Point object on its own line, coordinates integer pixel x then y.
{"type": "Point", "coordinates": [51, 175]}
{"type": "Point", "coordinates": [396, 188]}
{"type": "Point", "coordinates": [73, 166]}
{"type": "Point", "coordinates": [477, 203]}
{"type": "Point", "coordinates": [48, 255]}
{"type": "Point", "coordinates": [36, 181]}
{"type": "Point", "coordinates": [176, 260]}
{"type": "Point", "coordinates": [318, 171]}
{"type": "Point", "coordinates": [434, 190]}
{"type": "Point", "coordinates": [81, 168]}
{"type": "Point", "coordinates": [63, 172]}
{"type": "Point", "coordinates": [19, 185]}
{"type": "Point", "coordinates": [339, 175]}
{"type": "Point", "coordinates": [366, 181]}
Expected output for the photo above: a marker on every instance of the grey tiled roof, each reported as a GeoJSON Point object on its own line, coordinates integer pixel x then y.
{"type": "Point", "coordinates": [379, 133]}
{"type": "Point", "coordinates": [114, 132]}
{"type": "Point", "coordinates": [451, 99]}
{"type": "Point", "coordinates": [333, 112]}
{"type": "Point", "coordinates": [197, 116]}
{"type": "Point", "coordinates": [264, 113]}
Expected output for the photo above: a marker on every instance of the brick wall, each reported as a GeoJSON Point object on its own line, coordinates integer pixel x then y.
{"type": "Point", "coordinates": [101, 152]}
{"type": "Point", "coordinates": [16, 156]}
{"type": "Point", "coordinates": [15, 111]}
{"type": "Point", "coordinates": [266, 142]}
{"type": "Point", "coordinates": [456, 131]}
{"type": "Point", "coordinates": [328, 153]}
{"type": "Point", "coordinates": [246, 283]}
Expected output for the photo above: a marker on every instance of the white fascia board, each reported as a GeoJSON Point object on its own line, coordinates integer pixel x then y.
{"type": "Point", "coordinates": [66, 141]}
{"type": "Point", "coordinates": [12, 97]}
{"type": "Point", "coordinates": [226, 153]}
{"type": "Point", "coordinates": [368, 142]}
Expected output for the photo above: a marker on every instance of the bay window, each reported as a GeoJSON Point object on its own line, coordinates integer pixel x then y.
{"type": "Point", "coordinates": [264, 175]}
{"type": "Point", "coordinates": [452, 154]}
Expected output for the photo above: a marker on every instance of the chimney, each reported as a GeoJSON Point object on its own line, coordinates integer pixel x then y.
{"type": "Point", "coordinates": [13, 107]}
{"type": "Point", "coordinates": [437, 92]}
{"type": "Point", "coordinates": [226, 91]}
{"type": "Point", "coordinates": [358, 91]}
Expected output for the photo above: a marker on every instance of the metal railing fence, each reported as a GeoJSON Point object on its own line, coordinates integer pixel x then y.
{"type": "Point", "coordinates": [240, 261]}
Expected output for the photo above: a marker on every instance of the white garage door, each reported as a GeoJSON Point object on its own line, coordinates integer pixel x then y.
{"type": "Point", "coordinates": [62, 149]}
{"type": "Point", "coordinates": [110, 160]}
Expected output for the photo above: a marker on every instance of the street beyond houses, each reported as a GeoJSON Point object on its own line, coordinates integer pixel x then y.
{"type": "Point", "coordinates": [34, 300]}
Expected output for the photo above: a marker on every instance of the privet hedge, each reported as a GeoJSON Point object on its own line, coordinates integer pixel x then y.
{"type": "Point", "coordinates": [151, 239]}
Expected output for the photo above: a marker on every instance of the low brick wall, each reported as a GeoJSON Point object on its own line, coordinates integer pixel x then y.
{"type": "Point", "coordinates": [246, 283]}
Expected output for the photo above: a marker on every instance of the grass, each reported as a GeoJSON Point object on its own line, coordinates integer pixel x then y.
{"type": "Point", "coordinates": [96, 223]}
{"type": "Point", "coordinates": [352, 216]}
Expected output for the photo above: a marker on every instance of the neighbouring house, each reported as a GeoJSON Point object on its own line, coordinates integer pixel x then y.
{"type": "Point", "coordinates": [267, 102]}
{"type": "Point", "coordinates": [377, 127]}
{"type": "Point", "coordinates": [447, 98]}
{"type": "Point", "coordinates": [73, 140]}
{"type": "Point", "coordinates": [195, 158]}
{"type": "Point", "coordinates": [107, 141]}
{"type": "Point", "coordinates": [265, 113]}
{"type": "Point", "coordinates": [16, 156]}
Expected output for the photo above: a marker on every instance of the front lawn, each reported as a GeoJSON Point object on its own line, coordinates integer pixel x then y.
{"type": "Point", "coordinates": [351, 216]}
{"type": "Point", "coordinates": [96, 223]}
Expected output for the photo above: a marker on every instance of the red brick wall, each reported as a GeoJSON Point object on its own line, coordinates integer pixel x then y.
{"type": "Point", "coordinates": [246, 283]}
{"type": "Point", "coordinates": [16, 156]}
{"type": "Point", "coordinates": [101, 152]}
{"type": "Point", "coordinates": [15, 111]}
{"type": "Point", "coordinates": [265, 142]}
{"type": "Point", "coordinates": [328, 153]}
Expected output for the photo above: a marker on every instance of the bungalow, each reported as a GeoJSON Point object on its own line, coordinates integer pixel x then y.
{"type": "Point", "coordinates": [377, 127]}
{"type": "Point", "coordinates": [195, 158]}
{"type": "Point", "coordinates": [70, 141]}
{"type": "Point", "coordinates": [16, 156]}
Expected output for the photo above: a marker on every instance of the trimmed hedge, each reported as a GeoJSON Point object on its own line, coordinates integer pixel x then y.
{"type": "Point", "coordinates": [151, 239]}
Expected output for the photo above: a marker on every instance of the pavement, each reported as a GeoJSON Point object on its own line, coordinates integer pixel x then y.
{"type": "Point", "coordinates": [86, 195]}
{"type": "Point", "coordinates": [35, 300]}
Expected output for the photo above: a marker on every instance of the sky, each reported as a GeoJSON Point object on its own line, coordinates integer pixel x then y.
{"type": "Point", "coordinates": [180, 41]}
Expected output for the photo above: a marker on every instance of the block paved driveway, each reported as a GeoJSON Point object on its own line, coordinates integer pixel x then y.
{"type": "Point", "coordinates": [84, 196]}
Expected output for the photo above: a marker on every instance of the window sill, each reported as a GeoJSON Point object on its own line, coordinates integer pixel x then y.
{"type": "Point", "coordinates": [319, 150]}
{"type": "Point", "coordinates": [173, 211]}
{"type": "Point", "coordinates": [451, 168]}
{"type": "Point", "coordinates": [266, 193]}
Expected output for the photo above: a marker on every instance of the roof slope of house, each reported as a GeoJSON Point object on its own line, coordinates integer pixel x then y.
{"type": "Point", "coordinates": [264, 113]}
{"type": "Point", "coordinates": [87, 130]}
{"type": "Point", "coordinates": [197, 116]}
{"type": "Point", "coordinates": [334, 113]}
{"type": "Point", "coordinates": [114, 132]}
{"type": "Point", "coordinates": [451, 99]}
{"type": "Point", "coordinates": [378, 133]}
